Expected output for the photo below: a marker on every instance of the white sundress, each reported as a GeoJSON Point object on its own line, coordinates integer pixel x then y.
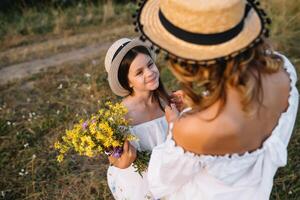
{"type": "Point", "coordinates": [126, 183]}
{"type": "Point", "coordinates": [178, 175]}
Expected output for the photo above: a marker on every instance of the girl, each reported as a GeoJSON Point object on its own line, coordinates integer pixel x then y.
{"type": "Point", "coordinates": [132, 74]}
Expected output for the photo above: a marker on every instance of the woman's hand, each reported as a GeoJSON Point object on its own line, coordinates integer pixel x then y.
{"type": "Point", "coordinates": [177, 98]}
{"type": "Point", "coordinates": [127, 158]}
{"type": "Point", "coordinates": [171, 113]}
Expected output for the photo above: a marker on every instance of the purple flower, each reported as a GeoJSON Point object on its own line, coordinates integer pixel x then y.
{"type": "Point", "coordinates": [117, 152]}
{"type": "Point", "coordinates": [84, 125]}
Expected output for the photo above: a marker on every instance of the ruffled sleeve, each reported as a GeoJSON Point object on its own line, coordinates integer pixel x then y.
{"type": "Point", "coordinates": [170, 168]}
{"type": "Point", "coordinates": [278, 142]}
{"type": "Point", "coordinates": [287, 120]}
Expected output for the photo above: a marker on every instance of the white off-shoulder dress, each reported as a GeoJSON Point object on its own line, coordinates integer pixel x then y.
{"type": "Point", "coordinates": [179, 175]}
{"type": "Point", "coordinates": [126, 183]}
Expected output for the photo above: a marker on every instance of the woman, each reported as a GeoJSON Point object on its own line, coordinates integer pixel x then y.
{"type": "Point", "coordinates": [133, 75]}
{"type": "Point", "coordinates": [242, 100]}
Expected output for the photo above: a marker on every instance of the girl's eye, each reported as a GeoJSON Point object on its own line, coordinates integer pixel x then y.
{"type": "Point", "coordinates": [150, 65]}
{"type": "Point", "coordinates": [138, 73]}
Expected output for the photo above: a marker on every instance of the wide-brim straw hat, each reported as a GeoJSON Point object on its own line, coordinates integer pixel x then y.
{"type": "Point", "coordinates": [113, 59]}
{"type": "Point", "coordinates": [202, 31]}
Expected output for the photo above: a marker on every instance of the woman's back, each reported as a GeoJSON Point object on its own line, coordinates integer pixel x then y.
{"type": "Point", "coordinates": [177, 173]}
{"type": "Point", "coordinates": [233, 130]}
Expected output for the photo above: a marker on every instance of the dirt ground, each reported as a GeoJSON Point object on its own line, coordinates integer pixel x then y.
{"type": "Point", "coordinates": [24, 61]}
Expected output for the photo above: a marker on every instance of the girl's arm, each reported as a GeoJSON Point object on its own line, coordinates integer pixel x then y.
{"type": "Point", "coordinates": [172, 114]}
{"type": "Point", "coordinates": [177, 98]}
{"type": "Point", "coordinates": [127, 158]}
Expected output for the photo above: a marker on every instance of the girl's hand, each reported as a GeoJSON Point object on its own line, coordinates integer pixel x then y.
{"type": "Point", "coordinates": [177, 98]}
{"type": "Point", "coordinates": [127, 158]}
{"type": "Point", "coordinates": [171, 113]}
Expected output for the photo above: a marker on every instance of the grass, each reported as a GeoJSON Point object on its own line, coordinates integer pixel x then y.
{"type": "Point", "coordinates": [32, 120]}
{"type": "Point", "coordinates": [71, 28]}
{"type": "Point", "coordinates": [45, 49]}
{"type": "Point", "coordinates": [32, 25]}
{"type": "Point", "coordinates": [36, 110]}
{"type": "Point", "coordinates": [285, 29]}
{"type": "Point", "coordinates": [50, 20]}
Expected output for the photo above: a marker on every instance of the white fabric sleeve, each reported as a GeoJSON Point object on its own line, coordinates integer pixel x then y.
{"type": "Point", "coordinates": [291, 113]}
{"type": "Point", "coordinates": [170, 168]}
{"type": "Point", "coordinates": [282, 133]}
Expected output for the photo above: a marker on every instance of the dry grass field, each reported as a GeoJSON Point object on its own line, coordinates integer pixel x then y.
{"type": "Point", "coordinates": [36, 109]}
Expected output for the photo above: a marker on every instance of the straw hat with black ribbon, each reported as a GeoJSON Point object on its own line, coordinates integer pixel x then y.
{"type": "Point", "coordinates": [113, 59]}
{"type": "Point", "coordinates": [200, 31]}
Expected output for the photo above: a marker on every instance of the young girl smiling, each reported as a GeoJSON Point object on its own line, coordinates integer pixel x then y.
{"type": "Point", "coordinates": [132, 74]}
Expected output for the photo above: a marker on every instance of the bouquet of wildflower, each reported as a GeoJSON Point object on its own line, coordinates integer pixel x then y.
{"type": "Point", "coordinates": [104, 133]}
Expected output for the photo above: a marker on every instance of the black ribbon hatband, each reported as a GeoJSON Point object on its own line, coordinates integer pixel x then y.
{"type": "Point", "coordinates": [118, 50]}
{"type": "Point", "coordinates": [203, 39]}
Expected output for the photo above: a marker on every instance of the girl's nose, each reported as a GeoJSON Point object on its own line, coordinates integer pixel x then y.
{"type": "Point", "coordinates": [148, 72]}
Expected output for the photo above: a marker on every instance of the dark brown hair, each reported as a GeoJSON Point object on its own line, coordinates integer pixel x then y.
{"type": "Point", "coordinates": [159, 94]}
{"type": "Point", "coordinates": [243, 72]}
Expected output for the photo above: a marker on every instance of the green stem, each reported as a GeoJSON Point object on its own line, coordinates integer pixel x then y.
{"type": "Point", "coordinates": [141, 162]}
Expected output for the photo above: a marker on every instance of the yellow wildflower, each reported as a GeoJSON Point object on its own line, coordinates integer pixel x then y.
{"type": "Point", "coordinates": [60, 158]}
{"type": "Point", "coordinates": [57, 145]}
{"type": "Point", "coordinates": [106, 129]}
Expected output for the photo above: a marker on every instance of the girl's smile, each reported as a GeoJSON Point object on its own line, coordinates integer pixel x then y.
{"type": "Point", "coordinates": [152, 80]}
{"type": "Point", "coordinates": [143, 74]}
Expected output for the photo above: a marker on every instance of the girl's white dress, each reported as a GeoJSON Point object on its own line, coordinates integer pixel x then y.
{"type": "Point", "coordinates": [178, 175]}
{"type": "Point", "coordinates": [126, 183]}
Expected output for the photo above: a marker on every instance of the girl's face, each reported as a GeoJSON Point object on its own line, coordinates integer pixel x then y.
{"type": "Point", "coordinates": [143, 74]}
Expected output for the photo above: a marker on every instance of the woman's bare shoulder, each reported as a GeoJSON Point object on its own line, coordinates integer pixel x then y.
{"type": "Point", "coordinates": [190, 134]}
{"type": "Point", "coordinates": [204, 137]}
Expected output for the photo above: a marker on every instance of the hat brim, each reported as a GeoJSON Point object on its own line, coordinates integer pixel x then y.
{"type": "Point", "coordinates": [153, 29]}
{"type": "Point", "coordinates": [113, 78]}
